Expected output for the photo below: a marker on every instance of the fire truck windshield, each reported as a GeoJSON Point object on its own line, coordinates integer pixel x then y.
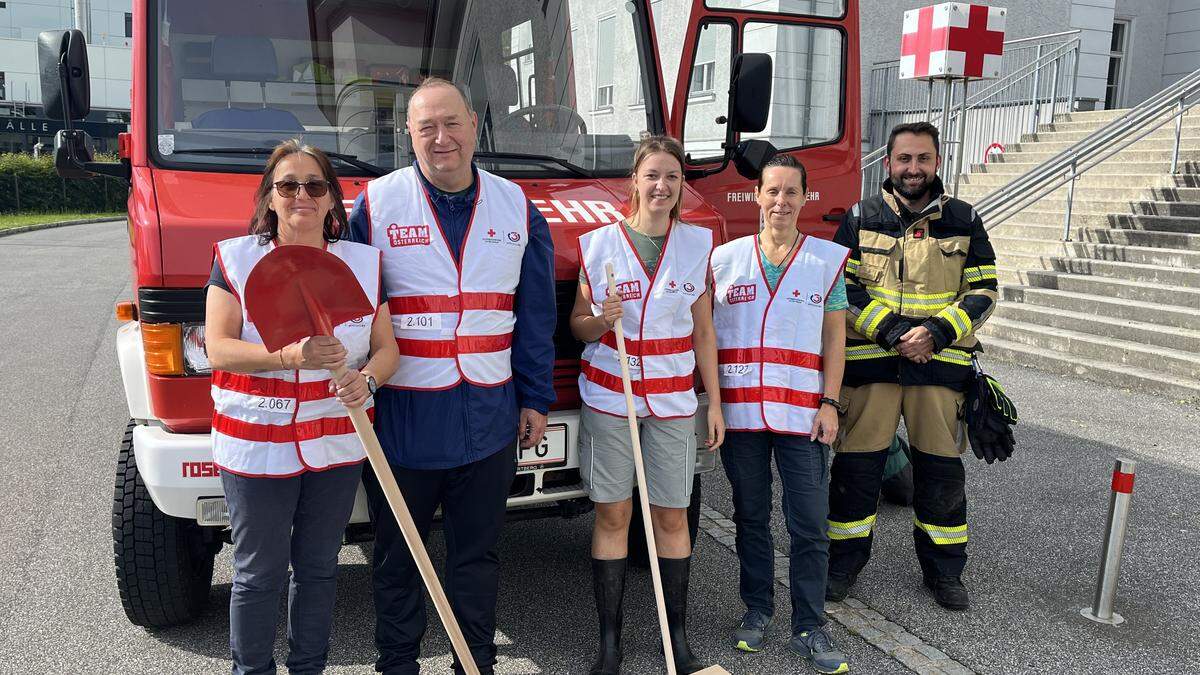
{"type": "Point", "coordinates": [557, 85]}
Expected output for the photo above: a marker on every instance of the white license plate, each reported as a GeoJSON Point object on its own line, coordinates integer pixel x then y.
{"type": "Point", "coordinates": [552, 451]}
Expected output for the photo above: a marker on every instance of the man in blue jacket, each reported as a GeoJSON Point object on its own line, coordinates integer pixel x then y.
{"type": "Point", "coordinates": [468, 267]}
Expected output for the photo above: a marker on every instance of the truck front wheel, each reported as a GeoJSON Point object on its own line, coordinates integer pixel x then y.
{"type": "Point", "coordinates": [164, 565]}
{"type": "Point", "coordinates": [638, 556]}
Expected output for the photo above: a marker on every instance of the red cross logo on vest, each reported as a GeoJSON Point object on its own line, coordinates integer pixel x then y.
{"type": "Point", "coordinates": [953, 39]}
{"type": "Point", "coordinates": [491, 232]}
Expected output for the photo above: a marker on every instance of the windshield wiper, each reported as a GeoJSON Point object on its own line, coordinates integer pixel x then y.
{"type": "Point", "coordinates": [522, 158]}
{"type": "Point", "coordinates": [266, 152]}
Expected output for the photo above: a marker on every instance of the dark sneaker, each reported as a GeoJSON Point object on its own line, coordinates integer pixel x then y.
{"type": "Point", "coordinates": [751, 633]}
{"type": "Point", "coordinates": [837, 586]}
{"type": "Point", "coordinates": [816, 648]}
{"type": "Point", "coordinates": [949, 592]}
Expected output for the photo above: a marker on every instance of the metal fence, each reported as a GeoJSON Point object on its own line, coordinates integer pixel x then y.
{"type": "Point", "coordinates": [1037, 81]}
{"type": "Point", "coordinates": [36, 194]}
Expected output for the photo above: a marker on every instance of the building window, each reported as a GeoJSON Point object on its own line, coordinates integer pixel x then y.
{"type": "Point", "coordinates": [704, 66]}
{"type": "Point", "coordinates": [1116, 65]}
{"type": "Point", "coordinates": [3, 94]}
{"type": "Point", "coordinates": [605, 46]}
{"type": "Point", "coordinates": [128, 25]}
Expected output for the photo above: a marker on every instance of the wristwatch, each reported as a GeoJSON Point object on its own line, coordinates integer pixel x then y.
{"type": "Point", "coordinates": [837, 405]}
{"type": "Point", "coordinates": [372, 387]}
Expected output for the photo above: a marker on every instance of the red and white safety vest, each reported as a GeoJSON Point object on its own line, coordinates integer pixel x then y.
{"type": "Point", "coordinates": [452, 321]}
{"type": "Point", "coordinates": [769, 344]}
{"type": "Point", "coordinates": [283, 422]}
{"type": "Point", "coordinates": [657, 321]}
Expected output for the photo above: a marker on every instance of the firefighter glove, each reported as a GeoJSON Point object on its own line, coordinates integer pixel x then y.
{"type": "Point", "coordinates": [990, 415]}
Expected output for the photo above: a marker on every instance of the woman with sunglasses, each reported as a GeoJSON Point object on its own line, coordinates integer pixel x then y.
{"type": "Point", "coordinates": [289, 458]}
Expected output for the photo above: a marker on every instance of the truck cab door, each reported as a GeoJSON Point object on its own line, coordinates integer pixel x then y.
{"type": "Point", "coordinates": [814, 101]}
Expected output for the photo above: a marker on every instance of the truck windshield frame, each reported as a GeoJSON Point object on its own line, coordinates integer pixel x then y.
{"type": "Point", "coordinates": [339, 75]}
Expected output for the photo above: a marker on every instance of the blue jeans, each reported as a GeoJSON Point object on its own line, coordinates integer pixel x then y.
{"type": "Point", "coordinates": [803, 467]}
{"type": "Point", "coordinates": [276, 521]}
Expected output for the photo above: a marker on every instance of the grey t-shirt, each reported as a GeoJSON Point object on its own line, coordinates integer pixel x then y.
{"type": "Point", "coordinates": [648, 249]}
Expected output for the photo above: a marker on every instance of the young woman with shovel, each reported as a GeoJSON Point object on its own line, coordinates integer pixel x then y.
{"type": "Point", "coordinates": [659, 296]}
{"type": "Point", "coordinates": [289, 458]}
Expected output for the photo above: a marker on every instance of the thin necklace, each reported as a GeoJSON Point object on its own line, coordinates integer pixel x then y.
{"type": "Point", "coordinates": [646, 237]}
{"type": "Point", "coordinates": [785, 255]}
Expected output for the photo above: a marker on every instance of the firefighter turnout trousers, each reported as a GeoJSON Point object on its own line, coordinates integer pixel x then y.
{"type": "Point", "coordinates": [933, 417]}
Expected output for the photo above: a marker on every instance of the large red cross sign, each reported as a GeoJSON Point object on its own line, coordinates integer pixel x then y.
{"type": "Point", "coordinates": [953, 39]}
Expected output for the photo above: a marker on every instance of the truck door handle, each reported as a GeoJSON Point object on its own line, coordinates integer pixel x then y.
{"type": "Point", "coordinates": [835, 215]}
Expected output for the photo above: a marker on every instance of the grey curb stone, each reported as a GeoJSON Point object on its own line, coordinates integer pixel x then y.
{"type": "Point", "coordinates": [46, 226]}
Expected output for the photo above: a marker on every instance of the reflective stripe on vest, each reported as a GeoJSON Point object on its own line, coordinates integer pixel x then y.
{"type": "Point", "coordinates": [451, 324]}
{"type": "Point", "coordinates": [280, 423]}
{"type": "Point", "coordinates": [769, 344]}
{"type": "Point", "coordinates": [657, 321]}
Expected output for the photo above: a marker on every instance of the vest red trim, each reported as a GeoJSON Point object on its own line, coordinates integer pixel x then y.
{"type": "Point", "coordinates": [291, 433]}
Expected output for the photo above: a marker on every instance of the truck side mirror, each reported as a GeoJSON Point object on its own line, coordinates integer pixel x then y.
{"type": "Point", "coordinates": [751, 156]}
{"type": "Point", "coordinates": [750, 92]}
{"type": "Point", "coordinates": [63, 68]}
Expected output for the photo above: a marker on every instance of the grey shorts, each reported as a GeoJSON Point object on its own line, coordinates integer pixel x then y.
{"type": "Point", "coordinates": [606, 458]}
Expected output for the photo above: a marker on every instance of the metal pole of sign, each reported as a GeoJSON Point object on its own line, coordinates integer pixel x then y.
{"type": "Point", "coordinates": [1101, 610]}
{"type": "Point", "coordinates": [1178, 132]}
{"type": "Point", "coordinates": [947, 94]}
{"type": "Point", "coordinates": [929, 102]}
{"type": "Point", "coordinates": [17, 190]}
{"type": "Point", "coordinates": [960, 150]}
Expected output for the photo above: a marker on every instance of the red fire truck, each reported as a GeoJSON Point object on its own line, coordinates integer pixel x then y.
{"type": "Point", "coordinates": [564, 89]}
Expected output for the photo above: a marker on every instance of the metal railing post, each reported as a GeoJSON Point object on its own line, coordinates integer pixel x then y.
{"type": "Point", "coordinates": [948, 92]}
{"type": "Point", "coordinates": [1053, 91]}
{"type": "Point", "coordinates": [1070, 203]}
{"type": "Point", "coordinates": [960, 150]}
{"type": "Point", "coordinates": [1074, 76]}
{"type": "Point", "coordinates": [1037, 83]}
{"type": "Point", "coordinates": [1178, 133]}
{"type": "Point", "coordinates": [1101, 610]}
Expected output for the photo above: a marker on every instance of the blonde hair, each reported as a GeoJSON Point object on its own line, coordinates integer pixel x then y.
{"type": "Point", "coordinates": [651, 145]}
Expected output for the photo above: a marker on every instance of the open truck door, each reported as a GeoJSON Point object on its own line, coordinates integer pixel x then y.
{"type": "Point", "coordinates": [809, 108]}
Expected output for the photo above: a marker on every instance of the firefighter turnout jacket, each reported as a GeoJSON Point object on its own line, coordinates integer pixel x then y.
{"type": "Point", "coordinates": [935, 269]}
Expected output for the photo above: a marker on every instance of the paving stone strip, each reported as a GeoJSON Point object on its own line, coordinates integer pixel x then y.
{"type": "Point", "coordinates": [852, 614]}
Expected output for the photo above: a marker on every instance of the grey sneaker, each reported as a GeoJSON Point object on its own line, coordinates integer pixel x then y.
{"type": "Point", "coordinates": [816, 648]}
{"type": "Point", "coordinates": [751, 633]}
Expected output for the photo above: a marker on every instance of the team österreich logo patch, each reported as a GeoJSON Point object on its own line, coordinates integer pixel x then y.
{"type": "Point", "coordinates": [629, 290]}
{"type": "Point", "coordinates": [741, 293]}
{"type": "Point", "coordinates": [407, 235]}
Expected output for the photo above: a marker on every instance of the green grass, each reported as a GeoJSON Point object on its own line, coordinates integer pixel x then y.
{"type": "Point", "coordinates": [10, 220]}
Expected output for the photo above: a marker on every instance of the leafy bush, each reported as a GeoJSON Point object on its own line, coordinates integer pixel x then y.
{"type": "Point", "coordinates": [29, 184]}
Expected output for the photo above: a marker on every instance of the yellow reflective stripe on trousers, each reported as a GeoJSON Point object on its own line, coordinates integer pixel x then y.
{"type": "Point", "coordinates": [958, 357]}
{"type": "Point", "coordinates": [981, 273]}
{"type": "Point", "coordinates": [868, 321]}
{"type": "Point", "coordinates": [943, 534]}
{"type": "Point", "coordinates": [852, 530]}
{"type": "Point", "coordinates": [957, 318]}
{"type": "Point", "coordinates": [863, 352]}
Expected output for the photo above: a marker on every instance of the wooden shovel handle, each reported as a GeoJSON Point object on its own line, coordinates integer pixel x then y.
{"type": "Point", "coordinates": [643, 493]}
{"type": "Point", "coordinates": [387, 481]}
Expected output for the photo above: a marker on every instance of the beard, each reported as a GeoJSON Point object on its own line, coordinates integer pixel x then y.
{"type": "Point", "coordinates": [914, 193]}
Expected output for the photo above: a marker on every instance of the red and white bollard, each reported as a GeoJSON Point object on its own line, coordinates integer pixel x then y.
{"type": "Point", "coordinates": [1110, 559]}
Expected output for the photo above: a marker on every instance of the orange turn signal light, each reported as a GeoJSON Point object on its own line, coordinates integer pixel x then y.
{"type": "Point", "coordinates": [126, 311]}
{"type": "Point", "coordinates": [163, 344]}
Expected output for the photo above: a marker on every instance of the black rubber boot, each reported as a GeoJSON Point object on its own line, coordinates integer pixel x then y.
{"type": "Point", "coordinates": [608, 581]}
{"type": "Point", "coordinates": [675, 590]}
{"type": "Point", "coordinates": [949, 592]}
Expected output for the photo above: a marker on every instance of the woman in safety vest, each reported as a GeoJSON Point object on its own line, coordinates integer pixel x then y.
{"type": "Point", "coordinates": [779, 312]}
{"type": "Point", "coordinates": [661, 270]}
{"type": "Point", "coordinates": [290, 461]}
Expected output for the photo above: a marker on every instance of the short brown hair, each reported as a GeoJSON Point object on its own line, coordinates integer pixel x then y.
{"type": "Point", "coordinates": [431, 82]}
{"type": "Point", "coordinates": [265, 222]}
{"type": "Point", "coordinates": [788, 162]}
{"type": "Point", "coordinates": [652, 145]}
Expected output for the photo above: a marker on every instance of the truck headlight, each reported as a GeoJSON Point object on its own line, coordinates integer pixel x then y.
{"type": "Point", "coordinates": [194, 354]}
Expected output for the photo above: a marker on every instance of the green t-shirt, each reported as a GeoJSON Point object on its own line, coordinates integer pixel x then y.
{"type": "Point", "coordinates": [836, 300]}
{"type": "Point", "coordinates": [648, 249]}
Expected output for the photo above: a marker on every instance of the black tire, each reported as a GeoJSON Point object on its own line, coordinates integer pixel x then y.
{"type": "Point", "coordinates": [164, 565]}
{"type": "Point", "coordinates": [637, 540]}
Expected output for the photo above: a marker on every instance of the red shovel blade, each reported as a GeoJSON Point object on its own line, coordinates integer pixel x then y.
{"type": "Point", "coordinates": [296, 292]}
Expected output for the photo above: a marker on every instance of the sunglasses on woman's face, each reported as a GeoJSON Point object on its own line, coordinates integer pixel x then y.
{"type": "Point", "coordinates": [290, 188]}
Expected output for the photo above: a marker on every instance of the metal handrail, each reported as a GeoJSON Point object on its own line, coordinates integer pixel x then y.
{"type": "Point", "coordinates": [1065, 167]}
{"type": "Point", "coordinates": [993, 95]}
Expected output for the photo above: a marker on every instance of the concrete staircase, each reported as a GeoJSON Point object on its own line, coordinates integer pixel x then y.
{"type": "Point", "coordinates": [1120, 302]}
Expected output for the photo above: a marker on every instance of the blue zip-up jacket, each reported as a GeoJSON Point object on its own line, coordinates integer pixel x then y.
{"type": "Point", "coordinates": [457, 426]}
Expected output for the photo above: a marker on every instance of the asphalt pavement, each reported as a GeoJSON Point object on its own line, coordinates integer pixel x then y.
{"type": "Point", "coordinates": [1036, 524]}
